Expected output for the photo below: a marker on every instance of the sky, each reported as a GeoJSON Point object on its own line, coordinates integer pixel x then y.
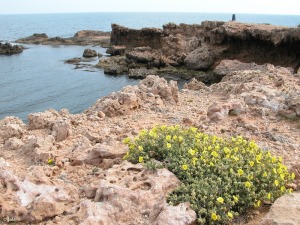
{"type": "Point", "coordinates": [286, 7]}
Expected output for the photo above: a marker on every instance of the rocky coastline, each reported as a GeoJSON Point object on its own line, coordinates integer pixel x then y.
{"type": "Point", "coordinates": [64, 168]}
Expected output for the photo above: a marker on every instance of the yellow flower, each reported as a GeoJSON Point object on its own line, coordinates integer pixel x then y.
{"type": "Point", "coordinates": [192, 152]}
{"type": "Point", "coordinates": [184, 167]}
{"type": "Point", "coordinates": [169, 145]}
{"type": "Point", "coordinates": [274, 170]}
{"type": "Point", "coordinates": [141, 159]}
{"type": "Point", "coordinates": [141, 148]}
{"type": "Point", "coordinates": [276, 183]}
{"type": "Point", "coordinates": [126, 140]}
{"type": "Point", "coordinates": [265, 174]}
{"type": "Point", "coordinates": [269, 195]}
{"type": "Point", "coordinates": [229, 214]}
{"type": "Point", "coordinates": [214, 216]}
{"type": "Point", "coordinates": [290, 190]}
{"type": "Point", "coordinates": [250, 177]}
{"type": "Point", "coordinates": [175, 137]}
{"type": "Point", "coordinates": [282, 189]}
{"type": "Point", "coordinates": [235, 199]}
{"type": "Point", "coordinates": [293, 176]}
{"type": "Point", "coordinates": [168, 137]}
{"type": "Point", "coordinates": [220, 200]}
{"type": "Point", "coordinates": [180, 139]}
{"type": "Point", "coordinates": [50, 162]}
{"type": "Point", "coordinates": [247, 184]}
{"type": "Point", "coordinates": [194, 160]}
{"type": "Point", "coordinates": [226, 150]}
{"type": "Point", "coordinates": [257, 204]}
{"type": "Point", "coordinates": [240, 172]}
{"type": "Point", "coordinates": [251, 163]}
{"type": "Point", "coordinates": [274, 159]}
{"type": "Point", "coordinates": [214, 154]}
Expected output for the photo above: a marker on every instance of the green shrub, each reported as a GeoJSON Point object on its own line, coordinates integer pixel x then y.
{"type": "Point", "coordinates": [221, 178]}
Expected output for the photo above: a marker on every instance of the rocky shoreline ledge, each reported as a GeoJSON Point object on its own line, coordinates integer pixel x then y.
{"type": "Point", "coordinates": [9, 49]}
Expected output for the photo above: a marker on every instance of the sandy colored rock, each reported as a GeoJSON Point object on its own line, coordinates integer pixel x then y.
{"type": "Point", "coordinates": [284, 211]}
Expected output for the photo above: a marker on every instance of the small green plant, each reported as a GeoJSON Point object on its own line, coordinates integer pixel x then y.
{"type": "Point", "coordinates": [221, 178]}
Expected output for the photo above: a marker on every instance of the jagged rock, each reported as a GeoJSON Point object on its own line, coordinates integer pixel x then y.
{"type": "Point", "coordinates": [39, 148]}
{"type": "Point", "coordinates": [196, 85]}
{"type": "Point", "coordinates": [42, 120]}
{"type": "Point", "coordinates": [88, 53]}
{"type": "Point", "coordinates": [200, 59]}
{"type": "Point", "coordinates": [24, 201]}
{"type": "Point", "coordinates": [13, 143]}
{"type": "Point", "coordinates": [218, 111]}
{"type": "Point", "coordinates": [8, 49]}
{"type": "Point", "coordinates": [285, 210]}
{"type": "Point", "coordinates": [152, 90]}
{"type": "Point", "coordinates": [11, 127]}
{"type": "Point", "coordinates": [61, 130]}
{"type": "Point", "coordinates": [130, 194]}
{"type": "Point", "coordinates": [90, 34]}
{"type": "Point", "coordinates": [116, 50]}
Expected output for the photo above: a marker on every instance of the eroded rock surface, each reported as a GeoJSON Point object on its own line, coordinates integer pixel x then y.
{"type": "Point", "coordinates": [9, 49]}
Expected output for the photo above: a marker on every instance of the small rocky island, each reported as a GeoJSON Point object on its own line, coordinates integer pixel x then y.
{"type": "Point", "coordinates": [9, 49]}
{"type": "Point", "coordinates": [64, 168]}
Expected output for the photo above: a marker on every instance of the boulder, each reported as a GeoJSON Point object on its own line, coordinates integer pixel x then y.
{"type": "Point", "coordinates": [116, 50]}
{"type": "Point", "coordinates": [218, 111]}
{"type": "Point", "coordinates": [196, 85]}
{"type": "Point", "coordinates": [284, 211]}
{"type": "Point", "coordinates": [88, 53]}
{"type": "Point", "coordinates": [140, 56]}
{"type": "Point", "coordinates": [42, 120]}
{"type": "Point", "coordinates": [61, 130]}
{"type": "Point", "coordinates": [200, 59]}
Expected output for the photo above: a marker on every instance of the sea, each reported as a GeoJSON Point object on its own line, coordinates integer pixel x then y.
{"type": "Point", "coordinates": [38, 78]}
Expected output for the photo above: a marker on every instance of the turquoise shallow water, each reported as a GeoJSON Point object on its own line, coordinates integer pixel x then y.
{"type": "Point", "coordinates": [38, 78]}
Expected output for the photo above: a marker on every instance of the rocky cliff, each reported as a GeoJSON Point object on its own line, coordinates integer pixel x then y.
{"type": "Point", "coordinates": [214, 41]}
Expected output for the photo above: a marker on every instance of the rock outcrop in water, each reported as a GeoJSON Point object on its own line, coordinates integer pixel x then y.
{"type": "Point", "coordinates": [9, 49]}
{"type": "Point", "coordinates": [84, 37]}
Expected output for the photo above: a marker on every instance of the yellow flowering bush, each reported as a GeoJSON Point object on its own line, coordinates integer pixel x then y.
{"type": "Point", "coordinates": [221, 178]}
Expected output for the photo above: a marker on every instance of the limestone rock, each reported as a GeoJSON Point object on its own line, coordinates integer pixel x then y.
{"type": "Point", "coordinates": [179, 215]}
{"type": "Point", "coordinates": [11, 127]}
{"type": "Point", "coordinates": [13, 143]}
{"type": "Point", "coordinates": [88, 53]}
{"type": "Point", "coordinates": [141, 73]}
{"type": "Point", "coordinates": [39, 148]}
{"type": "Point", "coordinates": [194, 84]}
{"type": "Point", "coordinates": [98, 155]}
{"type": "Point", "coordinates": [116, 50]}
{"type": "Point", "coordinates": [200, 59]}
{"type": "Point", "coordinates": [130, 194]}
{"type": "Point", "coordinates": [151, 91]}
{"type": "Point", "coordinates": [42, 120]}
{"type": "Point", "coordinates": [61, 130]}
{"type": "Point", "coordinates": [218, 111]}
{"type": "Point", "coordinates": [285, 210]}
{"type": "Point", "coordinates": [24, 201]}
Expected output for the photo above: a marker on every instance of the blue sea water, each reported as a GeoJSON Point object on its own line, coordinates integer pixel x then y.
{"type": "Point", "coordinates": [38, 78]}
